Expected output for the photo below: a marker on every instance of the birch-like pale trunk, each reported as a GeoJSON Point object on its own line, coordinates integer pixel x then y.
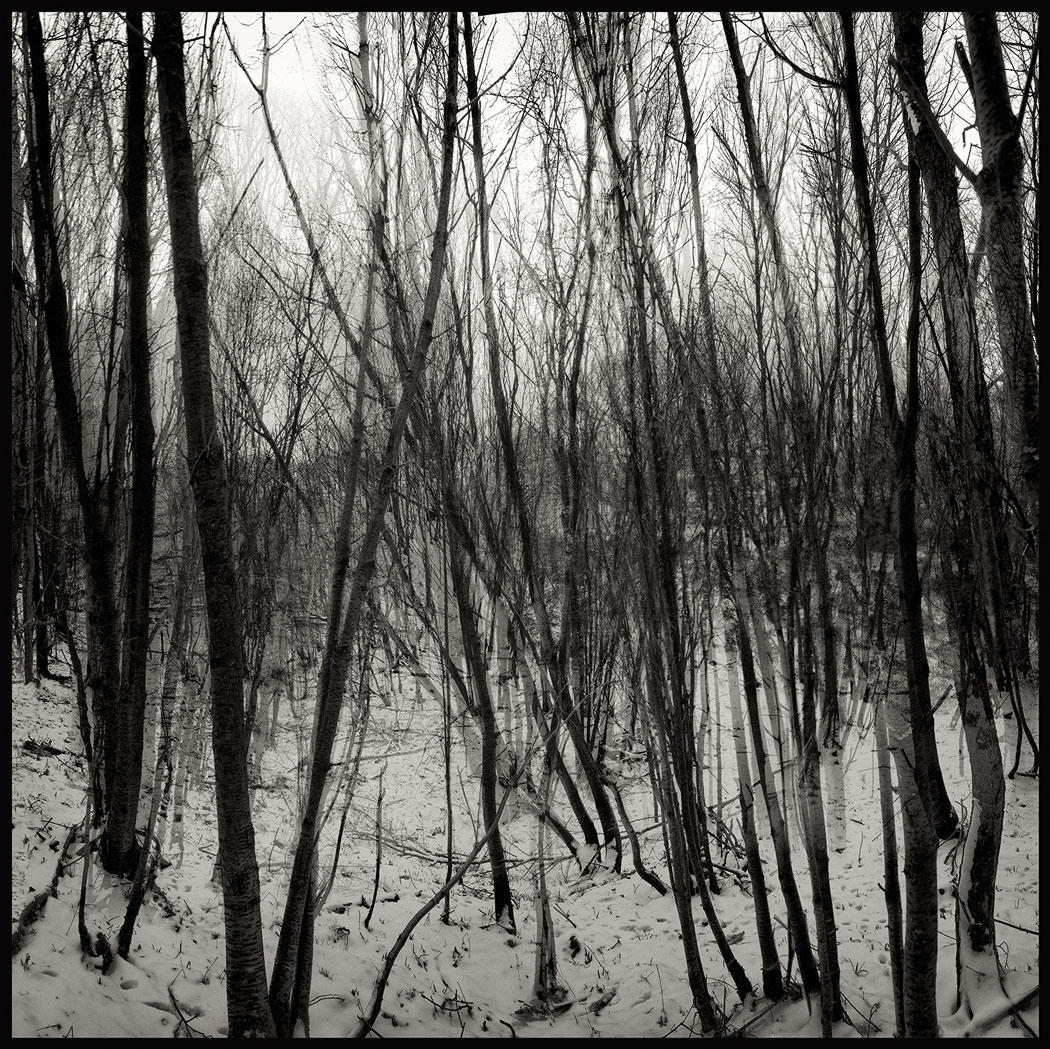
{"type": "Point", "coordinates": [890, 866]}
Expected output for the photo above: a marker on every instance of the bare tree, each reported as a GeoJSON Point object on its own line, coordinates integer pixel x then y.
{"type": "Point", "coordinates": [926, 816]}
{"type": "Point", "coordinates": [295, 932]}
{"type": "Point", "coordinates": [249, 1011]}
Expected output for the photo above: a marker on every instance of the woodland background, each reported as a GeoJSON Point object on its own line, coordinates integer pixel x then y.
{"type": "Point", "coordinates": [652, 398]}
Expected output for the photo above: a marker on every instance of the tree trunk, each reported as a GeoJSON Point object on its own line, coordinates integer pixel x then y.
{"type": "Point", "coordinates": [330, 696]}
{"type": "Point", "coordinates": [103, 673]}
{"type": "Point", "coordinates": [796, 916]}
{"type": "Point", "coordinates": [679, 867]}
{"type": "Point", "coordinates": [920, 870]}
{"type": "Point", "coordinates": [249, 1013]}
{"type": "Point", "coordinates": [892, 888]}
{"type": "Point", "coordinates": [546, 987]}
{"type": "Point", "coordinates": [999, 186]}
{"type": "Point", "coordinates": [815, 832]}
{"type": "Point", "coordinates": [977, 956]}
{"type": "Point", "coordinates": [772, 976]}
{"type": "Point", "coordinates": [119, 849]}
{"type": "Point", "coordinates": [502, 902]}
{"type": "Point", "coordinates": [902, 434]}
{"type": "Point", "coordinates": [986, 527]}
{"type": "Point", "coordinates": [548, 649]}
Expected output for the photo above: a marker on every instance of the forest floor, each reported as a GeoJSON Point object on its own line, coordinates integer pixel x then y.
{"type": "Point", "coordinates": [618, 947]}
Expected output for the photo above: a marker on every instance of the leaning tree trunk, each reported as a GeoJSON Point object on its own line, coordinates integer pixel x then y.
{"type": "Point", "coordinates": [678, 854]}
{"type": "Point", "coordinates": [796, 915]}
{"type": "Point", "coordinates": [249, 1012]}
{"type": "Point", "coordinates": [772, 975]}
{"type": "Point", "coordinates": [476, 663]}
{"type": "Point", "coordinates": [338, 654]}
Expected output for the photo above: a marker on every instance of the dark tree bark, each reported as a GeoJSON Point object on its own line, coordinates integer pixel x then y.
{"type": "Point", "coordinates": [119, 848]}
{"type": "Point", "coordinates": [814, 828]}
{"type": "Point", "coordinates": [22, 400]}
{"type": "Point", "coordinates": [249, 1012]}
{"type": "Point", "coordinates": [985, 528]}
{"type": "Point", "coordinates": [890, 867]}
{"type": "Point", "coordinates": [502, 902]}
{"type": "Point", "coordinates": [999, 186]}
{"type": "Point", "coordinates": [974, 579]}
{"type": "Point", "coordinates": [548, 648]}
{"type": "Point", "coordinates": [772, 975]}
{"type": "Point", "coordinates": [103, 673]}
{"type": "Point", "coordinates": [928, 813]}
{"type": "Point", "coordinates": [330, 700]}
{"type": "Point", "coordinates": [903, 435]}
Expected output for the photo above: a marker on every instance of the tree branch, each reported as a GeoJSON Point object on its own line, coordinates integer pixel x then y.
{"type": "Point", "coordinates": [917, 99]}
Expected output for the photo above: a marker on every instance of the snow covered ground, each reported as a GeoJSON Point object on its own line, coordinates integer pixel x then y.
{"type": "Point", "coordinates": [619, 949]}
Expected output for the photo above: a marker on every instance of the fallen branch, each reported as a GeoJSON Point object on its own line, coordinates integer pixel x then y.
{"type": "Point", "coordinates": [1009, 1007]}
{"type": "Point", "coordinates": [183, 1022]}
{"type": "Point", "coordinates": [368, 1020]}
{"type": "Point", "coordinates": [35, 908]}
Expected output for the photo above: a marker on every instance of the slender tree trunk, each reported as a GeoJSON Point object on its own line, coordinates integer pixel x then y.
{"type": "Point", "coordinates": [928, 813]}
{"type": "Point", "coordinates": [772, 976]}
{"type": "Point", "coordinates": [678, 857]}
{"type": "Point", "coordinates": [694, 188]}
{"type": "Point", "coordinates": [891, 888]}
{"type": "Point", "coordinates": [534, 704]}
{"type": "Point", "coordinates": [920, 869]}
{"type": "Point", "coordinates": [22, 339]}
{"type": "Point", "coordinates": [502, 902]}
{"type": "Point", "coordinates": [977, 956]}
{"type": "Point", "coordinates": [249, 1013]}
{"type": "Point", "coordinates": [119, 848]}
{"type": "Point", "coordinates": [546, 987]}
{"type": "Point", "coordinates": [548, 649]}
{"type": "Point", "coordinates": [330, 698]}
{"type": "Point", "coordinates": [902, 433]}
{"type": "Point", "coordinates": [985, 528]}
{"type": "Point", "coordinates": [103, 674]}
{"type": "Point", "coordinates": [815, 832]}
{"type": "Point", "coordinates": [778, 830]}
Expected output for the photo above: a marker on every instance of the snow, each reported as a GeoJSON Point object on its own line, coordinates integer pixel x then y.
{"type": "Point", "coordinates": [618, 946]}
